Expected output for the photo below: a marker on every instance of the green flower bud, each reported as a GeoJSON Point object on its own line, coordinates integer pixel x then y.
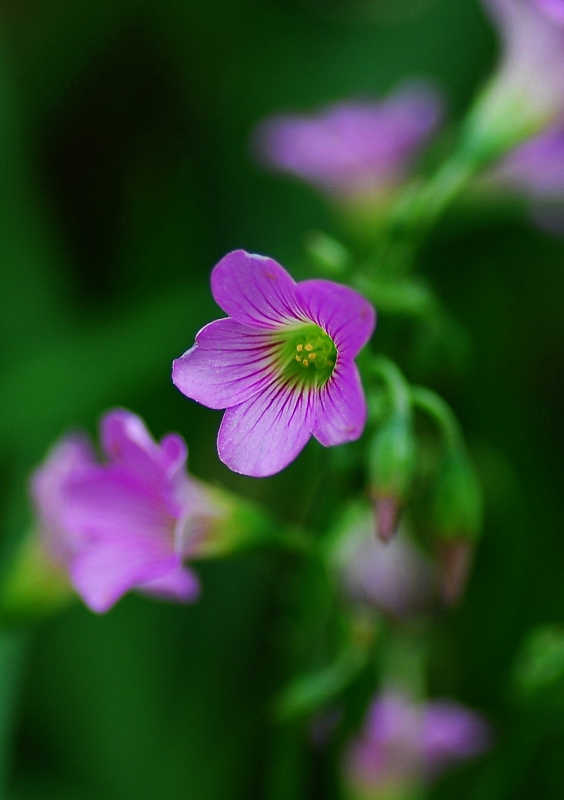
{"type": "Point", "coordinates": [539, 668]}
{"type": "Point", "coordinates": [392, 462]}
{"type": "Point", "coordinates": [457, 520]}
{"type": "Point", "coordinates": [457, 508]}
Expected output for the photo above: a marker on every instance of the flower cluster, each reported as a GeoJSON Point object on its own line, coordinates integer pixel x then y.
{"type": "Point", "coordinates": [126, 523]}
{"type": "Point", "coordinates": [281, 363]}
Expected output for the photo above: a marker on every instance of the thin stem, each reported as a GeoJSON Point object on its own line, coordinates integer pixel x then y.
{"type": "Point", "coordinates": [444, 186]}
{"type": "Point", "coordinates": [441, 413]}
{"type": "Point", "coordinates": [396, 384]}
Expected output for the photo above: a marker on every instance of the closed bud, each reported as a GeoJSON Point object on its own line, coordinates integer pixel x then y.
{"type": "Point", "coordinates": [539, 668]}
{"type": "Point", "coordinates": [455, 560]}
{"type": "Point", "coordinates": [457, 519]}
{"type": "Point", "coordinates": [392, 460]}
{"type": "Point", "coordinates": [457, 507]}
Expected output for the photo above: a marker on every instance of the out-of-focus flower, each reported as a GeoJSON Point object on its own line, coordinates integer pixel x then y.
{"type": "Point", "coordinates": [404, 744]}
{"type": "Point", "coordinates": [282, 363]}
{"type": "Point", "coordinates": [527, 91]}
{"type": "Point", "coordinates": [395, 577]}
{"type": "Point", "coordinates": [535, 171]}
{"type": "Point", "coordinates": [354, 151]}
{"type": "Point", "coordinates": [126, 523]}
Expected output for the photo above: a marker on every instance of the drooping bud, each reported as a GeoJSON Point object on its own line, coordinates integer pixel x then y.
{"type": "Point", "coordinates": [455, 560]}
{"type": "Point", "coordinates": [392, 461]}
{"type": "Point", "coordinates": [538, 674]}
{"type": "Point", "coordinates": [457, 519]}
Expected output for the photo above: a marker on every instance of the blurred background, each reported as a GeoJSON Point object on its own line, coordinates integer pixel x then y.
{"type": "Point", "coordinates": [126, 174]}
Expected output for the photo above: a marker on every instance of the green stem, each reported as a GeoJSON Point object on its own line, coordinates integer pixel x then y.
{"type": "Point", "coordinates": [441, 413]}
{"type": "Point", "coordinates": [442, 188]}
{"type": "Point", "coordinates": [396, 384]}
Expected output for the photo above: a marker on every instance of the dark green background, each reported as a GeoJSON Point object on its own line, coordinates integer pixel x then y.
{"type": "Point", "coordinates": [125, 176]}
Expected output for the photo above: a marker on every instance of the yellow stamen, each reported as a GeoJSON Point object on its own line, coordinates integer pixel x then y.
{"type": "Point", "coordinates": [309, 347]}
{"type": "Point", "coordinates": [312, 356]}
{"type": "Point", "coordinates": [305, 362]}
{"type": "Point", "coordinates": [299, 348]}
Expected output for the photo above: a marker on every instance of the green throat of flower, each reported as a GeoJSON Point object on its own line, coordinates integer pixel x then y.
{"type": "Point", "coordinates": [307, 356]}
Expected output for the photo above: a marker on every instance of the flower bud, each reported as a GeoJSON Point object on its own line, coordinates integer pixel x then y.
{"type": "Point", "coordinates": [392, 461]}
{"type": "Point", "coordinates": [457, 517]}
{"type": "Point", "coordinates": [395, 578]}
{"type": "Point", "coordinates": [539, 668]}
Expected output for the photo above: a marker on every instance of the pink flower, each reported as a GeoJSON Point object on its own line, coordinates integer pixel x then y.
{"type": "Point", "coordinates": [527, 91]}
{"type": "Point", "coordinates": [404, 743]}
{"type": "Point", "coordinates": [357, 148]}
{"type": "Point", "coordinates": [126, 523]}
{"type": "Point", "coordinates": [536, 167]}
{"type": "Point", "coordinates": [281, 363]}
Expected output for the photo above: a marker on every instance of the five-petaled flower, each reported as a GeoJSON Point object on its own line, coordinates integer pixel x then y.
{"type": "Point", "coordinates": [281, 363]}
{"type": "Point", "coordinates": [124, 524]}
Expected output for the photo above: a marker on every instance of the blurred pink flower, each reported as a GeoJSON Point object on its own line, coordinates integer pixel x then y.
{"type": "Point", "coordinates": [527, 91]}
{"type": "Point", "coordinates": [126, 523]}
{"type": "Point", "coordinates": [353, 149]}
{"type": "Point", "coordinates": [404, 743]}
{"type": "Point", "coordinates": [535, 168]}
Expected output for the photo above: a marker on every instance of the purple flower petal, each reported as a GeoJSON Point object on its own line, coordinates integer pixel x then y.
{"type": "Point", "coordinates": [452, 733]}
{"type": "Point", "coordinates": [341, 407]}
{"type": "Point", "coordinates": [127, 443]}
{"type": "Point", "coordinates": [110, 502]}
{"type": "Point", "coordinates": [554, 9]}
{"type": "Point", "coordinates": [70, 458]}
{"type": "Point", "coordinates": [103, 573]}
{"type": "Point", "coordinates": [343, 313]}
{"type": "Point", "coordinates": [179, 584]}
{"type": "Point", "coordinates": [263, 435]}
{"type": "Point", "coordinates": [254, 290]}
{"type": "Point", "coordinates": [228, 364]}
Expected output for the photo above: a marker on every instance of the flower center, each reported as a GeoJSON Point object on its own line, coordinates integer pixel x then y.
{"type": "Point", "coordinates": [307, 356]}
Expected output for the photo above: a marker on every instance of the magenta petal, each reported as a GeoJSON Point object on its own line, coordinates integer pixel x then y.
{"type": "Point", "coordinates": [106, 570]}
{"type": "Point", "coordinates": [254, 290]}
{"type": "Point", "coordinates": [228, 364]}
{"type": "Point", "coordinates": [554, 9]}
{"type": "Point", "coordinates": [343, 313]}
{"type": "Point", "coordinates": [341, 407]}
{"type": "Point", "coordinates": [128, 444]}
{"type": "Point", "coordinates": [72, 457]}
{"type": "Point", "coordinates": [263, 435]}
{"type": "Point", "coordinates": [179, 584]}
{"type": "Point", "coordinates": [110, 502]}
